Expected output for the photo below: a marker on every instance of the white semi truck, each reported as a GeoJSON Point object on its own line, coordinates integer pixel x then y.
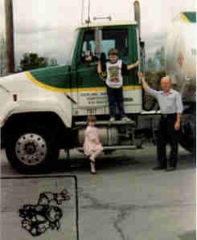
{"type": "Point", "coordinates": [45, 110]}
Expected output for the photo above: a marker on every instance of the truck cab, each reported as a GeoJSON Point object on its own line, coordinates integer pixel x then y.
{"type": "Point", "coordinates": [91, 95]}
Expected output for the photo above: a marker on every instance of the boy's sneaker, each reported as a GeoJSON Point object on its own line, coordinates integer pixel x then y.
{"type": "Point", "coordinates": [126, 119]}
{"type": "Point", "coordinates": [112, 119]}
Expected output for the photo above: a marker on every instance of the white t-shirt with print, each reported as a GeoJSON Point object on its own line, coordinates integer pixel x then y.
{"type": "Point", "coordinates": [114, 74]}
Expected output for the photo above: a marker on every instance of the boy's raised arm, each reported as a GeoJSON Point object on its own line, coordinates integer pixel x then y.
{"type": "Point", "coordinates": [99, 70]}
{"type": "Point", "coordinates": [129, 67]}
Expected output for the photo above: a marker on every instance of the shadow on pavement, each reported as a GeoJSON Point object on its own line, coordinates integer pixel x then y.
{"type": "Point", "coordinates": [138, 160]}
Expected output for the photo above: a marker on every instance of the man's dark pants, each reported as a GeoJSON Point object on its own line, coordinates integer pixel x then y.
{"type": "Point", "coordinates": [115, 96]}
{"type": "Point", "coordinates": [167, 134]}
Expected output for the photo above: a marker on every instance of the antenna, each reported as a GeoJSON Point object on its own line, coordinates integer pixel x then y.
{"type": "Point", "coordinates": [82, 11]}
{"type": "Point", "coordinates": [88, 21]}
{"type": "Point", "coordinates": [83, 6]}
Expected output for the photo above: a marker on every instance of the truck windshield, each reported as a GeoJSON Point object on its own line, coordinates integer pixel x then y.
{"type": "Point", "coordinates": [74, 40]}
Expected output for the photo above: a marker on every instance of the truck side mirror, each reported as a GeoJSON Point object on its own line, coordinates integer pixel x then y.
{"type": "Point", "coordinates": [98, 42]}
{"type": "Point", "coordinates": [142, 44]}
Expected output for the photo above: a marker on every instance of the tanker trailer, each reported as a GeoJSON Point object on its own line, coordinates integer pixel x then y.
{"type": "Point", "coordinates": [181, 67]}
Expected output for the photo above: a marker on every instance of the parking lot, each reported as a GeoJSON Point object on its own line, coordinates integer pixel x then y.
{"type": "Point", "coordinates": [126, 200]}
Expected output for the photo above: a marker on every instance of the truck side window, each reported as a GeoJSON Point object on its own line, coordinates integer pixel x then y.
{"type": "Point", "coordinates": [111, 38]}
{"type": "Point", "coordinates": [116, 38]}
{"type": "Point", "coordinates": [87, 52]}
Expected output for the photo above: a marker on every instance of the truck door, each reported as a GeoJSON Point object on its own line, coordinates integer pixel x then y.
{"type": "Point", "coordinates": [91, 89]}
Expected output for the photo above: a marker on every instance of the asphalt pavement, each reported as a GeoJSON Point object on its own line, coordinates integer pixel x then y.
{"type": "Point", "coordinates": [125, 200]}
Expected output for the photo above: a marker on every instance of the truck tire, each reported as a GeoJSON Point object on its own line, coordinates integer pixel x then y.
{"type": "Point", "coordinates": [188, 133]}
{"type": "Point", "coordinates": [32, 149]}
{"type": "Point", "coordinates": [149, 103]}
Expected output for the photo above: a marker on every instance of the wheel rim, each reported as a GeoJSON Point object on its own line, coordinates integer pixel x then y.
{"type": "Point", "coordinates": [31, 149]}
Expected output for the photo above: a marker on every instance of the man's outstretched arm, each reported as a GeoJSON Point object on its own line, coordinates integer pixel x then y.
{"type": "Point", "coordinates": [146, 87]}
{"type": "Point", "coordinates": [142, 78]}
{"type": "Point", "coordinates": [99, 70]}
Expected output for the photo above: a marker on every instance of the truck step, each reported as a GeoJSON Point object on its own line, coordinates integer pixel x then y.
{"type": "Point", "coordinates": [102, 123]}
{"type": "Point", "coordinates": [109, 148]}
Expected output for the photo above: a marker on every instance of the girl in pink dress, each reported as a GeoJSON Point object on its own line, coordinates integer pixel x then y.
{"type": "Point", "coordinates": [92, 145]}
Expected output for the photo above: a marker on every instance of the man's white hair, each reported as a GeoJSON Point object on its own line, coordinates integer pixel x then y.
{"type": "Point", "coordinates": [166, 77]}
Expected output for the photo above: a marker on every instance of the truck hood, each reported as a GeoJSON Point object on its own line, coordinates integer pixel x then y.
{"type": "Point", "coordinates": [54, 78]}
{"type": "Point", "coordinates": [30, 92]}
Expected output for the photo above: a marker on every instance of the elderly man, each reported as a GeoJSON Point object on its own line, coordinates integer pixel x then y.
{"type": "Point", "coordinates": [171, 107]}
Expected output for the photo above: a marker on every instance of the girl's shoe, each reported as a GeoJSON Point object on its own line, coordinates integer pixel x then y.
{"type": "Point", "coordinates": [92, 167]}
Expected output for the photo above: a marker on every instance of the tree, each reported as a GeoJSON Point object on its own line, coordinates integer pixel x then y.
{"type": "Point", "coordinates": [160, 56]}
{"type": "Point", "coordinates": [157, 63]}
{"type": "Point", "coordinates": [2, 56]}
{"type": "Point", "coordinates": [150, 64]}
{"type": "Point", "coordinates": [32, 61]}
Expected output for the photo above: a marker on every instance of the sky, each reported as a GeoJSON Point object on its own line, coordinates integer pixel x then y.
{"type": "Point", "coordinates": [47, 26]}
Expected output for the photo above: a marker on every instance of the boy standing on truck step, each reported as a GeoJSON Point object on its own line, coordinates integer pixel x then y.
{"type": "Point", "coordinates": [114, 81]}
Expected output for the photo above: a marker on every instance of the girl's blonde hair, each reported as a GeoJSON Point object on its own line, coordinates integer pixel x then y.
{"type": "Point", "coordinates": [91, 119]}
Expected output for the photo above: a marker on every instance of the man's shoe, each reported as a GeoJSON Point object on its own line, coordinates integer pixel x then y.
{"type": "Point", "coordinates": [158, 168]}
{"type": "Point", "coordinates": [170, 169]}
{"type": "Point", "coordinates": [112, 119]}
{"type": "Point", "coordinates": [126, 119]}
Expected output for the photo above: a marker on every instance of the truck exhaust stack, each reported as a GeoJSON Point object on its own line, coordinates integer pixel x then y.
{"type": "Point", "coordinates": [137, 15]}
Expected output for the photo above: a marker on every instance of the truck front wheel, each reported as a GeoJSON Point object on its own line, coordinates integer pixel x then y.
{"type": "Point", "coordinates": [32, 148]}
